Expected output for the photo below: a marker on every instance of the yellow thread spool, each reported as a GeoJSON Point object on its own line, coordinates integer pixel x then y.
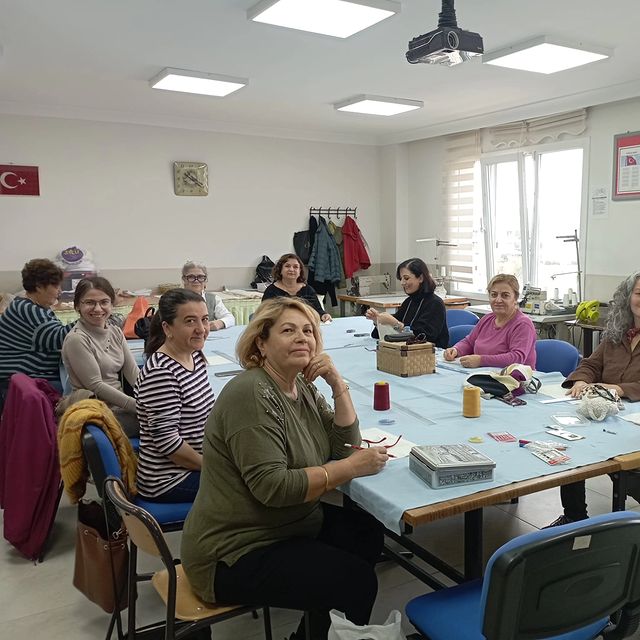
{"type": "Point", "coordinates": [471, 402]}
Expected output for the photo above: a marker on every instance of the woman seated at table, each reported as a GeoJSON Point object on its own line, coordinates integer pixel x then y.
{"type": "Point", "coordinates": [423, 311]}
{"type": "Point", "coordinates": [289, 281]}
{"type": "Point", "coordinates": [31, 336]}
{"type": "Point", "coordinates": [173, 399]}
{"type": "Point", "coordinates": [615, 365]}
{"type": "Point", "coordinates": [503, 337]}
{"type": "Point", "coordinates": [96, 355]}
{"type": "Point", "coordinates": [273, 447]}
{"type": "Point", "coordinates": [194, 278]}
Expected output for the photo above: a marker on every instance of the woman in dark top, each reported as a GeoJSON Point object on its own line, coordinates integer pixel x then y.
{"type": "Point", "coordinates": [289, 281]}
{"type": "Point", "coordinates": [423, 310]}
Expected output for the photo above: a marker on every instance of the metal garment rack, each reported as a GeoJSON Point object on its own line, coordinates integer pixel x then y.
{"type": "Point", "coordinates": [334, 211]}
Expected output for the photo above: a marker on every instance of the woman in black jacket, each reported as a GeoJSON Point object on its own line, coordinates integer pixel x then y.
{"type": "Point", "coordinates": [423, 311]}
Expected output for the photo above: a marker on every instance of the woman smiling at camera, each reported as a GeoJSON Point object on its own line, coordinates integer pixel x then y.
{"type": "Point", "coordinates": [195, 278]}
{"type": "Point", "coordinates": [289, 281]}
{"type": "Point", "coordinates": [173, 399]}
{"type": "Point", "coordinates": [257, 531]}
{"type": "Point", "coordinates": [503, 337]}
{"type": "Point", "coordinates": [95, 353]}
{"type": "Point", "coordinates": [423, 311]}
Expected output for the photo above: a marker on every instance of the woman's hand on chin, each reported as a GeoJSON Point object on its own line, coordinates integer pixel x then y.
{"type": "Point", "coordinates": [321, 366]}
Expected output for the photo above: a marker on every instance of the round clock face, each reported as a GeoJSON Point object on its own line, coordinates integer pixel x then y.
{"type": "Point", "coordinates": [190, 179]}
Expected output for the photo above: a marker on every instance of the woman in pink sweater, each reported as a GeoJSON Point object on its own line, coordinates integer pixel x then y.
{"type": "Point", "coordinates": [503, 337]}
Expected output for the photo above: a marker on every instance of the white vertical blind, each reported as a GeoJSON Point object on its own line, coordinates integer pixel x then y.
{"type": "Point", "coordinates": [459, 203]}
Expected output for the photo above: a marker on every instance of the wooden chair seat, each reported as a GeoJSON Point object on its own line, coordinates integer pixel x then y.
{"type": "Point", "coordinates": [188, 605]}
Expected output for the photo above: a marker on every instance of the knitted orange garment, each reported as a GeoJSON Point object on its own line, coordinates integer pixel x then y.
{"type": "Point", "coordinates": [73, 466]}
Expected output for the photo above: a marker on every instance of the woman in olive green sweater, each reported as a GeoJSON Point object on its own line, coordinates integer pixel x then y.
{"type": "Point", "coordinates": [257, 532]}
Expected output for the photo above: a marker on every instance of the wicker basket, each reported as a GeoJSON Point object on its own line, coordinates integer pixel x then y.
{"type": "Point", "coordinates": [406, 360]}
{"type": "Point", "coordinates": [163, 287]}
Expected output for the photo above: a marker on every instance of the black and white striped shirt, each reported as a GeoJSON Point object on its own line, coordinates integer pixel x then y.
{"type": "Point", "coordinates": [173, 405]}
{"type": "Point", "coordinates": [31, 338]}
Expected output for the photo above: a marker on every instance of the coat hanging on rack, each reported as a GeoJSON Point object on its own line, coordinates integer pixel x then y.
{"type": "Point", "coordinates": [324, 264]}
{"type": "Point", "coordinates": [355, 251]}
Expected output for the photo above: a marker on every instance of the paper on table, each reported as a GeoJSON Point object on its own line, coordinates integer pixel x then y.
{"type": "Point", "coordinates": [401, 450]}
{"type": "Point", "coordinates": [214, 360]}
{"type": "Point", "coordinates": [554, 391]}
{"type": "Point", "coordinates": [631, 417]}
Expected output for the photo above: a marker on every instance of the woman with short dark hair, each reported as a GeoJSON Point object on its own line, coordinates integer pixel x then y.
{"type": "Point", "coordinates": [289, 281]}
{"type": "Point", "coordinates": [173, 399]}
{"type": "Point", "coordinates": [31, 336]}
{"type": "Point", "coordinates": [423, 311]}
{"type": "Point", "coordinates": [95, 353]}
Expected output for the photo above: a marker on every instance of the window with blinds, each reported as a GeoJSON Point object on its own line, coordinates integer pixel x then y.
{"type": "Point", "coordinates": [462, 205]}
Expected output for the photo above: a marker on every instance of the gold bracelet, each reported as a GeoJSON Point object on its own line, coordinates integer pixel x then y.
{"type": "Point", "coordinates": [326, 478]}
{"type": "Point", "coordinates": [335, 396]}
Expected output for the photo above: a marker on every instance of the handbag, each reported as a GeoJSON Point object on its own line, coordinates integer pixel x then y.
{"type": "Point", "coordinates": [142, 325]}
{"type": "Point", "coordinates": [516, 379]}
{"type": "Point", "coordinates": [598, 402]}
{"type": "Point", "coordinates": [343, 629]}
{"type": "Point", "coordinates": [102, 560]}
{"type": "Point", "coordinates": [138, 311]}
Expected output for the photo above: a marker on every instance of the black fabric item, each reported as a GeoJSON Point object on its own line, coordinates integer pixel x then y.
{"type": "Point", "coordinates": [263, 271]}
{"type": "Point", "coordinates": [336, 570]}
{"type": "Point", "coordinates": [142, 326]}
{"type": "Point", "coordinates": [313, 227]}
{"type": "Point", "coordinates": [488, 384]}
{"type": "Point", "coordinates": [302, 245]}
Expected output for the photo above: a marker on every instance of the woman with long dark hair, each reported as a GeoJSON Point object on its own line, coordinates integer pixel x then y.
{"type": "Point", "coordinates": [174, 399]}
{"type": "Point", "coordinates": [423, 311]}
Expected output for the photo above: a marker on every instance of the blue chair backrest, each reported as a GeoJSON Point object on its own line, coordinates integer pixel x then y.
{"type": "Point", "coordinates": [555, 580]}
{"type": "Point", "coordinates": [556, 355]}
{"type": "Point", "coordinates": [100, 455]}
{"type": "Point", "coordinates": [460, 316]}
{"type": "Point", "coordinates": [458, 332]}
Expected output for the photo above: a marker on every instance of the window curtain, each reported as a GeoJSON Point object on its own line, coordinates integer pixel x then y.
{"type": "Point", "coordinates": [534, 131]}
{"type": "Point", "coordinates": [459, 202]}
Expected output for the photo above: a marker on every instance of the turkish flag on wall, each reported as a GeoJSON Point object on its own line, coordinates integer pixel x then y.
{"type": "Point", "coordinates": [17, 180]}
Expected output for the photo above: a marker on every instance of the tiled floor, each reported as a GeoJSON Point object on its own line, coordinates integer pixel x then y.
{"type": "Point", "coordinates": [38, 602]}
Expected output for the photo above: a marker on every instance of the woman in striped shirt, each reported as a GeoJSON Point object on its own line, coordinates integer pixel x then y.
{"type": "Point", "coordinates": [174, 399]}
{"type": "Point", "coordinates": [31, 336]}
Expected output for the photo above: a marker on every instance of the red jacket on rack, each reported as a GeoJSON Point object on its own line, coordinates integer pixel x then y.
{"type": "Point", "coordinates": [355, 252]}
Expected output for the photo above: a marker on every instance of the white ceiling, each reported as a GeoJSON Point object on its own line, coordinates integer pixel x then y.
{"type": "Point", "coordinates": [92, 59]}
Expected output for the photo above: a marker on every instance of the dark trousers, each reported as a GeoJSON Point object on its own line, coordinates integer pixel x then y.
{"type": "Point", "coordinates": [333, 571]}
{"type": "Point", "coordinates": [573, 496]}
{"type": "Point", "coordinates": [185, 491]}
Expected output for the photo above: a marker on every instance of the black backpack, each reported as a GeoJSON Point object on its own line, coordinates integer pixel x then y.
{"type": "Point", "coordinates": [263, 271]}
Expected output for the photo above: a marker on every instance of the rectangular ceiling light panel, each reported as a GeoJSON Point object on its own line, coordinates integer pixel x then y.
{"type": "Point", "coordinates": [544, 55]}
{"type": "Point", "coordinates": [339, 18]}
{"type": "Point", "coordinates": [208, 84]}
{"type": "Point", "coordinates": [377, 105]}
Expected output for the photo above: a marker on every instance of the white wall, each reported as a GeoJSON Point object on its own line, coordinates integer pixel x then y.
{"type": "Point", "coordinates": [109, 188]}
{"type": "Point", "coordinates": [611, 243]}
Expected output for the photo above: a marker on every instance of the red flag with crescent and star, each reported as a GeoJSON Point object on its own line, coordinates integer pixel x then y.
{"type": "Point", "coordinates": [19, 180]}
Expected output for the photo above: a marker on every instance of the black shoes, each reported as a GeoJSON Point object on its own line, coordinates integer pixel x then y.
{"type": "Point", "coordinates": [560, 520]}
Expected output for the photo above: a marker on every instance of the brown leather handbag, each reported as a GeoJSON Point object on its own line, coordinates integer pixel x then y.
{"type": "Point", "coordinates": [102, 560]}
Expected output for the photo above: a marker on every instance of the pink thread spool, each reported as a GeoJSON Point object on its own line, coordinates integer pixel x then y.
{"type": "Point", "coordinates": [381, 401]}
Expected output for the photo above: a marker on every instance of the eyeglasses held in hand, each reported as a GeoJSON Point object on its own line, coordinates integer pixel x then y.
{"type": "Point", "coordinates": [90, 304]}
{"type": "Point", "coordinates": [191, 278]}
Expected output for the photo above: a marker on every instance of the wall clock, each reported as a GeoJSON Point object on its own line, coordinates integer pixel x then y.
{"type": "Point", "coordinates": [190, 179]}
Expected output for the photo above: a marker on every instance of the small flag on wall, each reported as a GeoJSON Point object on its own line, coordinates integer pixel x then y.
{"type": "Point", "coordinates": [19, 180]}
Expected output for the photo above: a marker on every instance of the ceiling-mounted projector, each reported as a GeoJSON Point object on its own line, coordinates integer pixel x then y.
{"type": "Point", "coordinates": [447, 44]}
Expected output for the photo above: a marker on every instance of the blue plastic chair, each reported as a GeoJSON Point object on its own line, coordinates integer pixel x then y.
{"type": "Point", "coordinates": [561, 583]}
{"type": "Point", "coordinates": [460, 316]}
{"type": "Point", "coordinates": [556, 355]}
{"type": "Point", "coordinates": [458, 332]}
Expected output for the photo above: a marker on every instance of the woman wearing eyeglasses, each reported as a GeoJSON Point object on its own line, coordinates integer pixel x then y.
{"type": "Point", "coordinates": [96, 355]}
{"type": "Point", "coordinates": [614, 365]}
{"type": "Point", "coordinates": [194, 278]}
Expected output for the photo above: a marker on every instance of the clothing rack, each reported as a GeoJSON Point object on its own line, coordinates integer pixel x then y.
{"type": "Point", "coordinates": [334, 211]}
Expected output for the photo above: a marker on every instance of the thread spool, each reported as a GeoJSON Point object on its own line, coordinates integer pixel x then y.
{"type": "Point", "coordinates": [381, 400]}
{"type": "Point", "coordinates": [471, 402]}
